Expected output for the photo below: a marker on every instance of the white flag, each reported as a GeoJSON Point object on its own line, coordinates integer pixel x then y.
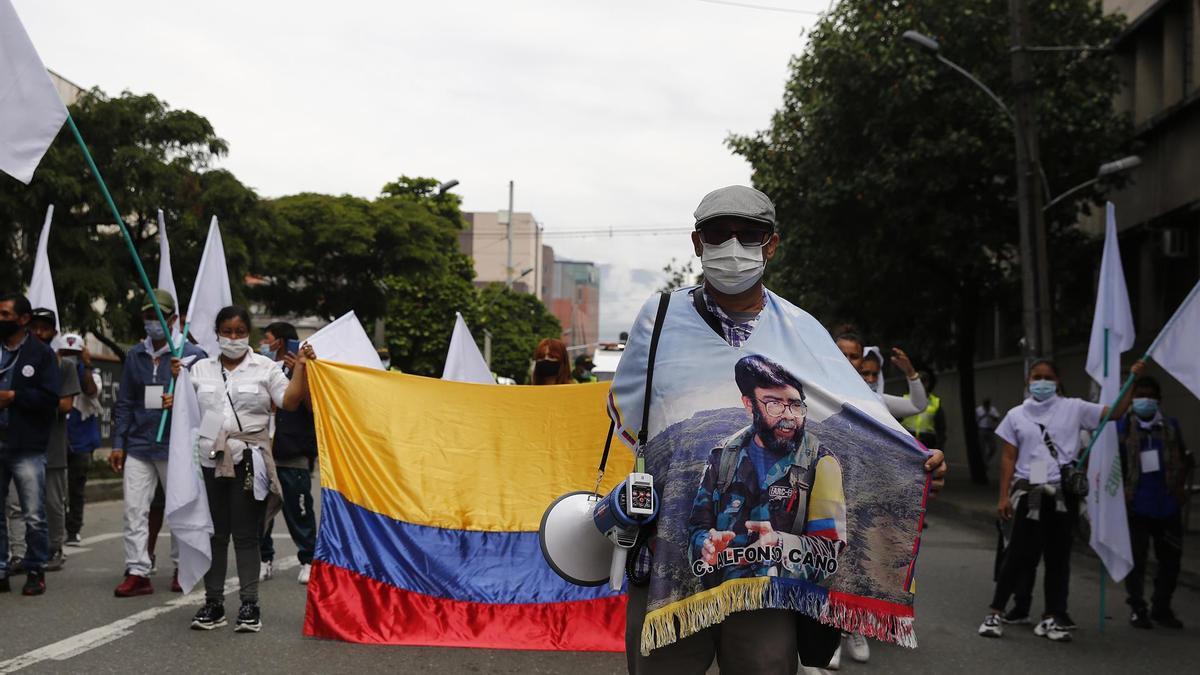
{"type": "Point", "coordinates": [31, 112]}
{"type": "Point", "coordinates": [464, 363]}
{"type": "Point", "coordinates": [166, 278]}
{"type": "Point", "coordinates": [41, 284]}
{"type": "Point", "coordinates": [210, 293]}
{"type": "Point", "coordinates": [1112, 334]}
{"type": "Point", "coordinates": [345, 341]}
{"type": "Point", "coordinates": [1175, 347]}
{"type": "Point", "coordinates": [186, 510]}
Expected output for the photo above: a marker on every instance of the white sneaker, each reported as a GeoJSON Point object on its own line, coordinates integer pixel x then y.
{"type": "Point", "coordinates": [991, 626]}
{"type": "Point", "coordinates": [266, 571]}
{"type": "Point", "coordinates": [1049, 629]}
{"type": "Point", "coordinates": [859, 650]}
{"type": "Point", "coordinates": [835, 662]}
{"type": "Point", "coordinates": [304, 572]}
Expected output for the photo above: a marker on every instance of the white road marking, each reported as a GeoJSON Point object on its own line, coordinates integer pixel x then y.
{"type": "Point", "coordinates": [86, 641]}
{"type": "Point", "coordinates": [96, 539]}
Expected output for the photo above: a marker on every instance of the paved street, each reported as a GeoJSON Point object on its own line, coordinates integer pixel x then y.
{"type": "Point", "coordinates": [79, 627]}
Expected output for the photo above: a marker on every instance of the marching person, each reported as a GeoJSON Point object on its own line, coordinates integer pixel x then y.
{"type": "Point", "coordinates": [83, 431]}
{"type": "Point", "coordinates": [236, 391]}
{"type": "Point", "coordinates": [1041, 441]}
{"type": "Point", "coordinates": [295, 450]}
{"type": "Point", "coordinates": [582, 373]}
{"type": "Point", "coordinates": [137, 453]}
{"type": "Point", "coordinates": [735, 238]}
{"type": "Point", "coordinates": [1156, 469]}
{"type": "Point", "coordinates": [986, 418]}
{"type": "Point", "coordinates": [550, 363]}
{"type": "Point", "coordinates": [929, 425]}
{"type": "Point", "coordinates": [44, 327]}
{"type": "Point", "coordinates": [29, 386]}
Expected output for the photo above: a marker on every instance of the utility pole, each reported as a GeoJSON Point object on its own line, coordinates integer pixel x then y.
{"type": "Point", "coordinates": [508, 269]}
{"type": "Point", "coordinates": [1035, 281]}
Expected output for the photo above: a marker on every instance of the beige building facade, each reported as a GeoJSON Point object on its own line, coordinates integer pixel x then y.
{"type": "Point", "coordinates": [485, 241]}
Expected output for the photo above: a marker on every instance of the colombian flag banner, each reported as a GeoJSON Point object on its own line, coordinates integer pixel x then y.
{"type": "Point", "coordinates": [431, 495]}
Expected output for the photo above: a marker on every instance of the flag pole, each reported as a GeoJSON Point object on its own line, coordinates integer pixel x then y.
{"type": "Point", "coordinates": [162, 420]}
{"type": "Point", "coordinates": [87, 155]}
{"type": "Point", "coordinates": [1103, 571]}
{"type": "Point", "coordinates": [137, 261]}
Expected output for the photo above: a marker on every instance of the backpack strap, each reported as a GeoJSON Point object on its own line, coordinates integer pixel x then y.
{"type": "Point", "coordinates": [729, 453]}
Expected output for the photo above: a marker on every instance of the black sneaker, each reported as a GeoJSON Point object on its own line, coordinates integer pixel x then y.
{"type": "Point", "coordinates": [249, 618]}
{"type": "Point", "coordinates": [73, 539]}
{"type": "Point", "coordinates": [1065, 621]}
{"type": "Point", "coordinates": [210, 616]}
{"type": "Point", "coordinates": [56, 561]}
{"type": "Point", "coordinates": [1165, 617]}
{"type": "Point", "coordinates": [35, 583]}
{"type": "Point", "coordinates": [15, 565]}
{"type": "Point", "coordinates": [1140, 618]}
{"type": "Point", "coordinates": [1015, 618]}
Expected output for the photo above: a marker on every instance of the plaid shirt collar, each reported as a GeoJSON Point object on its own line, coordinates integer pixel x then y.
{"type": "Point", "coordinates": [736, 332]}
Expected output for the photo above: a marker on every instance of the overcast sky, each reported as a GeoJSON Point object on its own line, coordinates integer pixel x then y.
{"type": "Point", "coordinates": [606, 113]}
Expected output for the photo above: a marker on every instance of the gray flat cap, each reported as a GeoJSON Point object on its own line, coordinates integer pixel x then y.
{"type": "Point", "coordinates": [736, 201]}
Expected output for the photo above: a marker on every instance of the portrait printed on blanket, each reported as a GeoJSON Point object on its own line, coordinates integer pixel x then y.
{"type": "Point", "coordinates": [770, 502]}
{"type": "Point", "coordinates": [785, 484]}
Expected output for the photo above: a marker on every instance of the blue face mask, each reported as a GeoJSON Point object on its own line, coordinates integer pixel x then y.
{"type": "Point", "coordinates": [1145, 408]}
{"type": "Point", "coordinates": [1043, 389]}
{"type": "Point", "coordinates": [265, 350]}
{"type": "Point", "coordinates": [154, 330]}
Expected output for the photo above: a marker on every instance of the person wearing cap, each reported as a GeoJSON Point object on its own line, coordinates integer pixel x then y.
{"type": "Point", "coordinates": [83, 429]}
{"type": "Point", "coordinates": [583, 369]}
{"type": "Point", "coordinates": [44, 326]}
{"type": "Point", "coordinates": [29, 385]}
{"type": "Point", "coordinates": [734, 238]}
{"type": "Point", "coordinates": [137, 453]}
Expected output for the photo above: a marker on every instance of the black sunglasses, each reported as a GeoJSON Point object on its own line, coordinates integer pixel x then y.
{"type": "Point", "coordinates": [719, 234]}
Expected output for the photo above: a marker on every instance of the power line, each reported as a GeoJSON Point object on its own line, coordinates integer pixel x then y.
{"type": "Point", "coordinates": [597, 233]}
{"type": "Point", "coordinates": [767, 8]}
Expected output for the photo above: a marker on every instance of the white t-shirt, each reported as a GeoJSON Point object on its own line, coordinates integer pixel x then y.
{"type": "Point", "coordinates": [254, 385]}
{"type": "Point", "coordinates": [1062, 417]}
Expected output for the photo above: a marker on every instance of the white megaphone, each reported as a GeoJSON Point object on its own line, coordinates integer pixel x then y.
{"type": "Point", "coordinates": [586, 539]}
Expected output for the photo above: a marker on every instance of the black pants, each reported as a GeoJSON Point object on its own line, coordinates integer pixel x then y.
{"type": "Point", "coordinates": [1051, 535]}
{"type": "Point", "coordinates": [296, 485]}
{"type": "Point", "coordinates": [78, 464]}
{"type": "Point", "coordinates": [1167, 534]}
{"type": "Point", "coordinates": [235, 512]}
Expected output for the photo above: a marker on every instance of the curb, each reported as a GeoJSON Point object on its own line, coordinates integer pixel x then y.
{"type": "Point", "coordinates": [947, 507]}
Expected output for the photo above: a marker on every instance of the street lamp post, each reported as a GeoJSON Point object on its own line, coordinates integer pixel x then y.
{"type": "Point", "coordinates": [1106, 169]}
{"type": "Point", "coordinates": [1035, 287]}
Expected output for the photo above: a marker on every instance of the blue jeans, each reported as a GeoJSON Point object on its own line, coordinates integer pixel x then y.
{"type": "Point", "coordinates": [28, 471]}
{"type": "Point", "coordinates": [296, 485]}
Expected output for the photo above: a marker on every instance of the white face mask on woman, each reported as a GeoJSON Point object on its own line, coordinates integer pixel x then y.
{"type": "Point", "coordinates": [731, 267]}
{"type": "Point", "coordinates": [233, 348]}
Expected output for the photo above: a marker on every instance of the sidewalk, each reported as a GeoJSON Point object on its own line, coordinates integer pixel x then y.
{"type": "Point", "coordinates": [965, 501]}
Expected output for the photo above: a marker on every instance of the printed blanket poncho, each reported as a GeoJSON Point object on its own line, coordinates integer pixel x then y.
{"type": "Point", "coordinates": [784, 482]}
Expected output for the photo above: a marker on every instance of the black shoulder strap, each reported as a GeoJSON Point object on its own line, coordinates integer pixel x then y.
{"type": "Point", "coordinates": [1049, 442]}
{"type": "Point", "coordinates": [663, 301]}
{"type": "Point", "coordinates": [706, 313]}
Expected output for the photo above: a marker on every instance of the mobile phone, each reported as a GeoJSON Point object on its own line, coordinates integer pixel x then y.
{"type": "Point", "coordinates": [293, 346]}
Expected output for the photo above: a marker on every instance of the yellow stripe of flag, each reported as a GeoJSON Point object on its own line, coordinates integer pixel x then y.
{"type": "Point", "coordinates": [457, 455]}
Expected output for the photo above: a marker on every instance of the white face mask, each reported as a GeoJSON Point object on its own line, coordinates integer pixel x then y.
{"type": "Point", "coordinates": [233, 349]}
{"type": "Point", "coordinates": [730, 267]}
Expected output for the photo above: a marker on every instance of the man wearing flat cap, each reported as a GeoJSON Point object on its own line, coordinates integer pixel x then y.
{"type": "Point", "coordinates": [735, 238]}
{"type": "Point", "coordinates": [137, 453]}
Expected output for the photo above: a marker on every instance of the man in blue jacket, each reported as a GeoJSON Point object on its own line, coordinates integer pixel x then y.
{"type": "Point", "coordinates": [29, 382]}
{"type": "Point", "coordinates": [137, 454]}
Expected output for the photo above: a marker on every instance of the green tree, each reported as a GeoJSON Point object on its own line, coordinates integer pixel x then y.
{"type": "Point", "coordinates": [680, 274]}
{"type": "Point", "coordinates": [894, 180]}
{"type": "Point", "coordinates": [518, 322]}
{"type": "Point", "coordinates": [152, 157]}
{"type": "Point", "coordinates": [421, 311]}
